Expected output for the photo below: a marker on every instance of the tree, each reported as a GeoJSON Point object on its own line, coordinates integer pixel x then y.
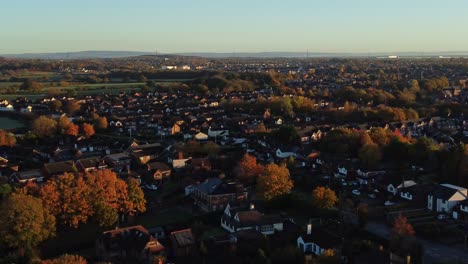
{"type": "Point", "coordinates": [327, 257]}
{"type": "Point", "coordinates": [24, 222]}
{"type": "Point", "coordinates": [31, 85]}
{"type": "Point", "coordinates": [249, 169]}
{"type": "Point", "coordinates": [66, 259]}
{"type": "Point", "coordinates": [286, 135]}
{"type": "Point", "coordinates": [324, 198]}
{"type": "Point", "coordinates": [110, 196]}
{"type": "Point", "coordinates": [55, 105]}
{"type": "Point", "coordinates": [370, 155]}
{"type": "Point", "coordinates": [101, 123]}
{"type": "Point", "coordinates": [62, 124]}
{"type": "Point", "coordinates": [67, 197]}
{"type": "Point", "coordinates": [191, 147]}
{"type": "Point", "coordinates": [402, 228]}
{"type": "Point", "coordinates": [136, 196]}
{"type": "Point", "coordinates": [44, 126]}
{"type": "Point", "coordinates": [72, 130]}
{"type": "Point", "coordinates": [87, 129]}
{"type": "Point", "coordinates": [362, 213]}
{"type": "Point", "coordinates": [5, 190]}
{"type": "Point", "coordinates": [275, 181]}
{"type": "Point", "coordinates": [7, 139]}
{"type": "Point", "coordinates": [211, 148]}
{"type": "Point", "coordinates": [71, 107]}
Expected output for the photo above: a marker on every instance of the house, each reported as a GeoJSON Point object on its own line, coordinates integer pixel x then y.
{"type": "Point", "coordinates": [3, 162]}
{"type": "Point", "coordinates": [59, 168]}
{"type": "Point", "coordinates": [90, 164]}
{"type": "Point", "coordinates": [26, 176]}
{"type": "Point", "coordinates": [236, 219]}
{"type": "Point", "coordinates": [183, 243]}
{"type": "Point", "coordinates": [283, 155]}
{"type": "Point", "coordinates": [199, 164]}
{"type": "Point", "coordinates": [201, 136]}
{"type": "Point", "coordinates": [215, 133]}
{"type": "Point", "coordinates": [416, 194]}
{"type": "Point", "coordinates": [317, 241]}
{"type": "Point", "coordinates": [213, 194]}
{"type": "Point", "coordinates": [132, 243]}
{"type": "Point", "coordinates": [444, 197]}
{"type": "Point", "coordinates": [119, 162]}
{"type": "Point", "coordinates": [158, 171]}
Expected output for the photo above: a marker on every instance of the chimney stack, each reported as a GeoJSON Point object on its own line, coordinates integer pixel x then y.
{"type": "Point", "coordinates": [252, 206]}
{"type": "Point", "coordinates": [309, 228]}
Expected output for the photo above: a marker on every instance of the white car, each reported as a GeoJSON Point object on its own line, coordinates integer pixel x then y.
{"type": "Point", "coordinates": [372, 195]}
{"type": "Point", "coordinates": [388, 203]}
{"type": "Point", "coordinates": [442, 217]}
{"type": "Point", "coordinates": [151, 187]}
{"type": "Point", "coordinates": [356, 192]}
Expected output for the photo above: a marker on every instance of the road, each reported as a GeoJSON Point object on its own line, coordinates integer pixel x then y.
{"type": "Point", "coordinates": [433, 252]}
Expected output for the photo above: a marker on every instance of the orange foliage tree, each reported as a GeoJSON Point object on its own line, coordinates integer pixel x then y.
{"type": "Point", "coordinates": [324, 198]}
{"type": "Point", "coordinates": [88, 130]}
{"type": "Point", "coordinates": [249, 169]}
{"type": "Point", "coordinates": [7, 139]}
{"type": "Point", "coordinates": [67, 197]}
{"type": "Point", "coordinates": [274, 181]}
{"type": "Point", "coordinates": [72, 130]}
{"type": "Point", "coordinates": [402, 228]}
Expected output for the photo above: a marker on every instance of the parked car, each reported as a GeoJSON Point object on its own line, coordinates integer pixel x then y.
{"type": "Point", "coordinates": [388, 203]}
{"type": "Point", "coordinates": [356, 192]}
{"type": "Point", "coordinates": [442, 217]}
{"type": "Point", "coordinates": [150, 187]}
{"type": "Point", "coordinates": [372, 195]}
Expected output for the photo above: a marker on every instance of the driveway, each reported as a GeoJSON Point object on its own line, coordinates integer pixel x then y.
{"type": "Point", "coordinates": [433, 252]}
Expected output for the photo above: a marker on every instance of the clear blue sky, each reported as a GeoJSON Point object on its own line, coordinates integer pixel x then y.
{"type": "Point", "coordinates": [233, 25]}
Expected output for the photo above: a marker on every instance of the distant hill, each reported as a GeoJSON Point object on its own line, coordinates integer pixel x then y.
{"type": "Point", "coordinates": [123, 54]}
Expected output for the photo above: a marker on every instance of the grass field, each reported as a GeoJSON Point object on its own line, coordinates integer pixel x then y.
{"type": "Point", "coordinates": [9, 123]}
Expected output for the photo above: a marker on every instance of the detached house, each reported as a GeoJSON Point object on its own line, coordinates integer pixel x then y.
{"type": "Point", "coordinates": [213, 194]}
{"type": "Point", "coordinates": [158, 171]}
{"type": "Point", "coordinates": [90, 164]}
{"type": "Point", "coordinates": [236, 219]}
{"type": "Point", "coordinates": [445, 196]}
{"type": "Point", "coordinates": [133, 242]}
{"type": "Point", "coordinates": [317, 241]}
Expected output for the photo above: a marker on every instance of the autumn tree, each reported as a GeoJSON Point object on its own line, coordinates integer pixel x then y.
{"type": "Point", "coordinates": [101, 123]}
{"type": "Point", "coordinates": [24, 222]}
{"type": "Point", "coordinates": [67, 197]}
{"type": "Point", "coordinates": [324, 198]}
{"type": "Point", "coordinates": [55, 105]}
{"type": "Point", "coordinates": [72, 130]}
{"type": "Point", "coordinates": [62, 124]}
{"type": "Point", "coordinates": [136, 196]}
{"type": "Point", "coordinates": [274, 181]}
{"type": "Point", "coordinates": [88, 130]}
{"type": "Point", "coordinates": [44, 126]}
{"type": "Point", "coordinates": [191, 147]}
{"type": "Point", "coordinates": [7, 139]}
{"type": "Point", "coordinates": [66, 259]}
{"type": "Point", "coordinates": [211, 148]}
{"type": "Point", "coordinates": [402, 228]}
{"type": "Point", "coordinates": [71, 107]}
{"type": "Point", "coordinates": [249, 169]}
{"type": "Point", "coordinates": [110, 196]}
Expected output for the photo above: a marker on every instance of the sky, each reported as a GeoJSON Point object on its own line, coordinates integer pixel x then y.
{"type": "Point", "coordinates": [175, 26]}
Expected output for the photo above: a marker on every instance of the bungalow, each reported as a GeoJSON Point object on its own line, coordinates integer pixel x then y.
{"type": "Point", "coordinates": [26, 176]}
{"type": "Point", "coordinates": [90, 164]}
{"type": "Point", "coordinates": [235, 219]}
{"type": "Point", "coordinates": [445, 196]}
{"type": "Point", "coordinates": [183, 243]}
{"type": "Point", "coordinates": [134, 242]}
{"type": "Point", "coordinates": [318, 241]}
{"type": "Point", "coordinates": [201, 136]}
{"type": "Point", "coordinates": [119, 162]}
{"type": "Point", "coordinates": [283, 155]}
{"type": "Point", "coordinates": [158, 171]}
{"type": "Point", "coordinates": [59, 168]}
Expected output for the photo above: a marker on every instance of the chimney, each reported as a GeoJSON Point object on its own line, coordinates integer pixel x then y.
{"type": "Point", "coordinates": [252, 206]}
{"type": "Point", "coordinates": [309, 228]}
{"type": "Point", "coordinates": [181, 155]}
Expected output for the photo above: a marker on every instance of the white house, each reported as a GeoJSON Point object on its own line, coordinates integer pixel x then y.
{"type": "Point", "coordinates": [284, 155]}
{"type": "Point", "coordinates": [236, 219]}
{"type": "Point", "coordinates": [317, 241]}
{"type": "Point", "coordinates": [393, 188]}
{"type": "Point", "coordinates": [445, 196]}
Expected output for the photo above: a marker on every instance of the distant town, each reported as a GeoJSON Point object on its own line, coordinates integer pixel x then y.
{"type": "Point", "coordinates": [234, 159]}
